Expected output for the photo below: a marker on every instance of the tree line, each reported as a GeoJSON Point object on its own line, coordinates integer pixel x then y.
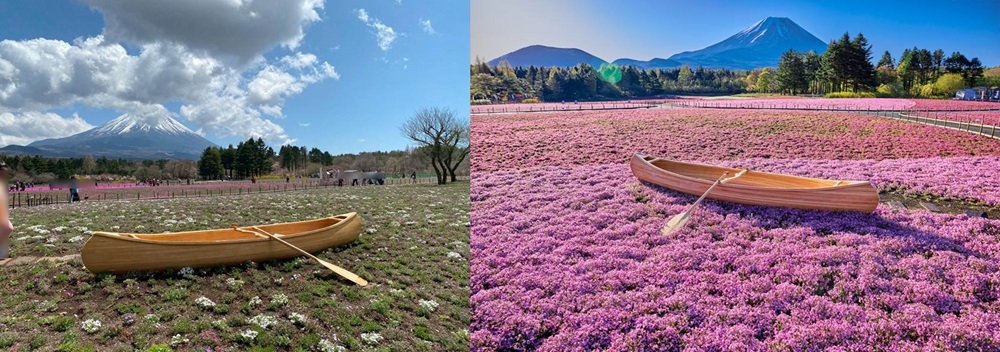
{"type": "Point", "coordinates": [248, 159]}
{"type": "Point", "coordinates": [846, 65]}
{"type": "Point", "coordinates": [584, 83]}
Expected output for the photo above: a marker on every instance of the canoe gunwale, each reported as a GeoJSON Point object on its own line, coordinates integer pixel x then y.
{"type": "Point", "coordinates": [843, 183]}
{"type": "Point", "coordinates": [785, 192]}
{"type": "Point", "coordinates": [123, 236]}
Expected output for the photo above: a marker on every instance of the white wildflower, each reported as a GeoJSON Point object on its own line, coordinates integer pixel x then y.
{"type": "Point", "coordinates": [255, 301]}
{"type": "Point", "coordinates": [177, 340]}
{"type": "Point", "coordinates": [279, 299]}
{"type": "Point", "coordinates": [204, 302]}
{"type": "Point", "coordinates": [91, 325]}
{"type": "Point", "coordinates": [263, 321]}
{"type": "Point", "coordinates": [327, 346]}
{"type": "Point", "coordinates": [428, 305]}
{"type": "Point", "coordinates": [248, 334]}
{"type": "Point", "coordinates": [186, 272]}
{"type": "Point", "coordinates": [298, 318]}
{"type": "Point", "coordinates": [75, 239]}
{"type": "Point", "coordinates": [371, 337]}
{"type": "Point", "coordinates": [234, 284]}
{"type": "Point", "coordinates": [454, 255]}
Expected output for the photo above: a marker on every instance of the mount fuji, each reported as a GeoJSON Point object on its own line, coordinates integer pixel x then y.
{"type": "Point", "coordinates": [759, 45]}
{"type": "Point", "coordinates": [128, 136]}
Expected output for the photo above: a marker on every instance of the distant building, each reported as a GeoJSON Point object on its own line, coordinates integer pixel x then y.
{"type": "Point", "coordinates": [966, 94]}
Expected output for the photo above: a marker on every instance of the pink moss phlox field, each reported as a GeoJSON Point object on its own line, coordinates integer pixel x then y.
{"type": "Point", "coordinates": [514, 141]}
{"type": "Point", "coordinates": [808, 103]}
{"type": "Point", "coordinates": [969, 178]}
{"type": "Point", "coordinates": [587, 105]}
{"type": "Point", "coordinates": [571, 258]}
{"type": "Point", "coordinates": [952, 104]}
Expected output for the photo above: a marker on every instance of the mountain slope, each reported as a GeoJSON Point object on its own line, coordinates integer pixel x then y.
{"type": "Point", "coordinates": [759, 45]}
{"type": "Point", "coordinates": [656, 63]}
{"type": "Point", "coordinates": [128, 136]}
{"type": "Point", "coordinates": [546, 56]}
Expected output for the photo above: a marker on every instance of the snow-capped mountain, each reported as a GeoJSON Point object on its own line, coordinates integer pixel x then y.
{"type": "Point", "coordinates": [128, 136]}
{"type": "Point", "coordinates": [129, 123]}
{"type": "Point", "coordinates": [759, 45]}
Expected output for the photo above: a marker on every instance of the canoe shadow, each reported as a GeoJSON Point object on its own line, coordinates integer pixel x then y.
{"type": "Point", "coordinates": [826, 223]}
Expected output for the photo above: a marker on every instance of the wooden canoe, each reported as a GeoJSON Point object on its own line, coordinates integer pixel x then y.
{"type": "Point", "coordinates": [123, 252]}
{"type": "Point", "coordinates": [757, 188]}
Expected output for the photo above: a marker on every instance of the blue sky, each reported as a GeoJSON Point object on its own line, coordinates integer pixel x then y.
{"type": "Point", "coordinates": [341, 76]}
{"type": "Point", "coordinates": [646, 29]}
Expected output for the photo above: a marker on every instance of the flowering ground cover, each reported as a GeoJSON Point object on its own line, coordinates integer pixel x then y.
{"type": "Point", "coordinates": [413, 250]}
{"type": "Point", "coordinates": [952, 104]}
{"type": "Point", "coordinates": [563, 106]}
{"type": "Point", "coordinates": [571, 258]}
{"type": "Point", "coordinates": [805, 103]}
{"type": "Point", "coordinates": [567, 252]}
{"type": "Point", "coordinates": [516, 141]}
{"type": "Point", "coordinates": [125, 191]}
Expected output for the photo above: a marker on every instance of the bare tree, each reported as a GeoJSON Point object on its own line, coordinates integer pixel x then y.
{"type": "Point", "coordinates": [442, 137]}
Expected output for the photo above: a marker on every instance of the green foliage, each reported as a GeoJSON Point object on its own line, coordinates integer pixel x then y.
{"type": "Point", "coordinates": [948, 84]}
{"type": "Point", "coordinates": [175, 294]}
{"type": "Point", "coordinates": [161, 347]}
{"type": "Point", "coordinates": [849, 95]}
{"type": "Point", "coordinates": [7, 339]}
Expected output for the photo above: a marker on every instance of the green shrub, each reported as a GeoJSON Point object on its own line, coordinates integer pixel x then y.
{"type": "Point", "coordinates": [175, 294]}
{"type": "Point", "coordinates": [7, 339]}
{"type": "Point", "coordinates": [162, 347]}
{"type": "Point", "coordinates": [481, 102]}
{"type": "Point", "coordinates": [850, 95]}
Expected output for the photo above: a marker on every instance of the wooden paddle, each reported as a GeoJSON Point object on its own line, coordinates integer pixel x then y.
{"type": "Point", "coordinates": [340, 271]}
{"type": "Point", "coordinates": [679, 220]}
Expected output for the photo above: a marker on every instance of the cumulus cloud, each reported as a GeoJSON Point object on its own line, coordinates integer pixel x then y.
{"type": "Point", "coordinates": [426, 26]}
{"type": "Point", "coordinates": [384, 34]}
{"type": "Point", "coordinates": [216, 95]}
{"type": "Point", "coordinates": [239, 29]}
{"type": "Point", "coordinates": [24, 128]}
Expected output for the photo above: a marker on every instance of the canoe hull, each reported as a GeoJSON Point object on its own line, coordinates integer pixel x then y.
{"type": "Point", "coordinates": [757, 188]}
{"type": "Point", "coordinates": [117, 253]}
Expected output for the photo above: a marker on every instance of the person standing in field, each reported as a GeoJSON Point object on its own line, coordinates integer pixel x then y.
{"type": "Point", "coordinates": [6, 227]}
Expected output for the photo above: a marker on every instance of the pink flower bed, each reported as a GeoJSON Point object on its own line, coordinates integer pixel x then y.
{"type": "Point", "coordinates": [570, 106]}
{"type": "Point", "coordinates": [516, 141]}
{"type": "Point", "coordinates": [571, 258]}
{"type": "Point", "coordinates": [806, 103]}
{"type": "Point", "coordinates": [952, 104]}
{"type": "Point", "coordinates": [956, 177]}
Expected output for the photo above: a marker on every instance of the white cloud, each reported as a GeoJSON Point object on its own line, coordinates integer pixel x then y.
{"type": "Point", "coordinates": [24, 128]}
{"type": "Point", "coordinates": [426, 26]}
{"type": "Point", "coordinates": [362, 15]}
{"type": "Point", "coordinates": [239, 29]}
{"type": "Point", "coordinates": [304, 124]}
{"type": "Point", "coordinates": [218, 95]}
{"type": "Point", "coordinates": [361, 140]}
{"type": "Point", "coordinates": [384, 34]}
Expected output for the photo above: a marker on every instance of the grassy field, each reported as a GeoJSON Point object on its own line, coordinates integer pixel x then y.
{"type": "Point", "coordinates": [414, 250]}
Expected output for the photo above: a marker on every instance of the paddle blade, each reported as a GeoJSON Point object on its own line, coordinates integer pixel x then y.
{"type": "Point", "coordinates": [344, 273]}
{"type": "Point", "coordinates": [676, 222]}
